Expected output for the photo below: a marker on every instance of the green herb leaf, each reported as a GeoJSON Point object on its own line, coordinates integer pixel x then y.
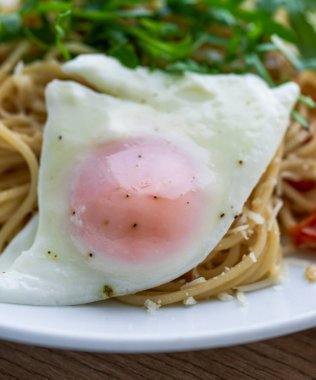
{"type": "Point", "coordinates": [125, 54]}
{"type": "Point", "coordinates": [305, 34]}
{"type": "Point", "coordinates": [300, 119]}
{"type": "Point", "coordinates": [254, 61]}
{"type": "Point", "coordinates": [60, 29]}
{"type": "Point", "coordinates": [189, 65]}
{"type": "Point", "coordinates": [175, 35]}
{"type": "Point", "coordinates": [307, 100]}
{"type": "Point", "coordinates": [10, 26]}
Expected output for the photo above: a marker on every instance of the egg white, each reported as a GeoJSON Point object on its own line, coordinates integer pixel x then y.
{"type": "Point", "coordinates": [219, 120]}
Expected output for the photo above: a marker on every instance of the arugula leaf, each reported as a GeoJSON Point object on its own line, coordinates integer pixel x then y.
{"type": "Point", "coordinates": [188, 65]}
{"type": "Point", "coordinates": [42, 34]}
{"type": "Point", "coordinates": [163, 49]}
{"type": "Point", "coordinates": [10, 26]}
{"type": "Point", "coordinates": [126, 54]}
{"type": "Point", "coordinates": [49, 6]}
{"type": "Point", "coordinates": [310, 64]}
{"type": "Point", "coordinates": [255, 62]}
{"type": "Point", "coordinates": [300, 119]}
{"type": "Point", "coordinates": [174, 35]}
{"type": "Point", "coordinates": [61, 31]}
{"type": "Point", "coordinates": [305, 34]}
{"type": "Point", "coordinates": [308, 101]}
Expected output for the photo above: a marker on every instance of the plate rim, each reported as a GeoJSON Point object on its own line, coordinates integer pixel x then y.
{"type": "Point", "coordinates": [190, 342]}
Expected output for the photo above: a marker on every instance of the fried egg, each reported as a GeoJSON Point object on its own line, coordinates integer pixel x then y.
{"type": "Point", "coordinates": [141, 175]}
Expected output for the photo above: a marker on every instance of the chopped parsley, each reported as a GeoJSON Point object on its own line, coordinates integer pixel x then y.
{"type": "Point", "coordinates": [209, 36]}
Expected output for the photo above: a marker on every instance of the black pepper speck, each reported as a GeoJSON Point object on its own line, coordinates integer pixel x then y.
{"type": "Point", "coordinates": [107, 291]}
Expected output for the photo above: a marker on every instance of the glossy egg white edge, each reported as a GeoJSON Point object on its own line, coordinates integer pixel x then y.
{"type": "Point", "coordinates": [228, 103]}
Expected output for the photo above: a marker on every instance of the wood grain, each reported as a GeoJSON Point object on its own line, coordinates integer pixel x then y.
{"type": "Point", "coordinates": [290, 358]}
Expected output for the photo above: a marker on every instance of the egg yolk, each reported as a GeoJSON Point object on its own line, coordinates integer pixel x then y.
{"type": "Point", "coordinates": [135, 201]}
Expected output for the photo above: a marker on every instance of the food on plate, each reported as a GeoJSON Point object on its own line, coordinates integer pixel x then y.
{"type": "Point", "coordinates": [153, 186]}
{"type": "Point", "coordinates": [138, 187]}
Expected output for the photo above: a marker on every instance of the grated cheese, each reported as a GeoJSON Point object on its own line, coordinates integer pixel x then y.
{"type": "Point", "coordinates": [195, 282]}
{"type": "Point", "coordinates": [151, 306]}
{"type": "Point", "coordinates": [289, 175]}
{"type": "Point", "coordinates": [253, 257]}
{"type": "Point", "coordinates": [275, 211]}
{"type": "Point", "coordinates": [18, 68]}
{"type": "Point", "coordinates": [244, 235]}
{"type": "Point", "coordinates": [190, 301]}
{"type": "Point", "coordinates": [254, 216]}
{"type": "Point", "coordinates": [310, 273]}
{"type": "Point", "coordinates": [223, 296]}
{"type": "Point", "coordinates": [238, 229]}
{"type": "Point", "coordinates": [241, 298]}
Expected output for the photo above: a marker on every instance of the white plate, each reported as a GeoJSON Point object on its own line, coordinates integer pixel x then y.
{"type": "Point", "coordinates": [112, 327]}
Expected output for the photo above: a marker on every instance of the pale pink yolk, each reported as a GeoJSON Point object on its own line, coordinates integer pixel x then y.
{"type": "Point", "coordinates": [135, 201]}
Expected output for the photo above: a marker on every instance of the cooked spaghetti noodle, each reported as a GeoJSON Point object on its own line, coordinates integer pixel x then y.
{"type": "Point", "coordinates": [249, 255]}
{"type": "Point", "coordinates": [299, 162]}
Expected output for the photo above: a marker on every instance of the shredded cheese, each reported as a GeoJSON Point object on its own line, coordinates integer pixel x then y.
{"type": "Point", "coordinates": [290, 175]}
{"type": "Point", "coordinates": [241, 298]}
{"type": "Point", "coordinates": [195, 282]}
{"type": "Point", "coordinates": [244, 235]}
{"type": "Point", "coordinates": [275, 211]}
{"type": "Point", "coordinates": [310, 273]}
{"type": "Point", "coordinates": [18, 68]}
{"type": "Point", "coordinates": [253, 257]}
{"type": "Point", "coordinates": [223, 296]}
{"type": "Point", "coordinates": [238, 229]}
{"type": "Point", "coordinates": [190, 301]}
{"type": "Point", "coordinates": [254, 216]}
{"type": "Point", "coordinates": [151, 306]}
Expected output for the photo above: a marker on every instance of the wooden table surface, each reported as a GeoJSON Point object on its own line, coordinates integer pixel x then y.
{"type": "Point", "coordinates": [291, 357]}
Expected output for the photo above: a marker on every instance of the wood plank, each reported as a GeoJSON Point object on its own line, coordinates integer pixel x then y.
{"type": "Point", "coordinates": [290, 357]}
